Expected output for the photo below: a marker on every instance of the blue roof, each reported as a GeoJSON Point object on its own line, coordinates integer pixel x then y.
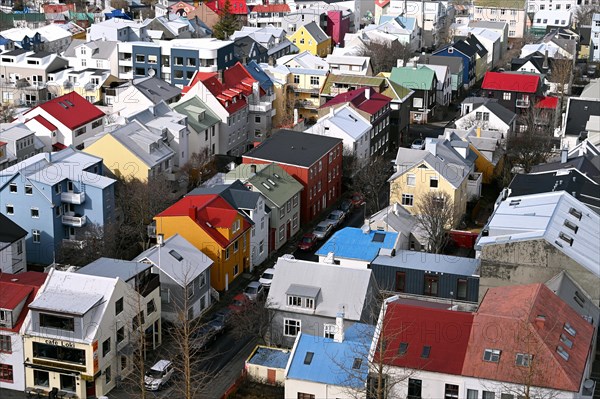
{"type": "Point", "coordinates": [257, 73]}
{"type": "Point", "coordinates": [270, 357]}
{"type": "Point", "coordinates": [332, 362]}
{"type": "Point", "coordinates": [353, 243]}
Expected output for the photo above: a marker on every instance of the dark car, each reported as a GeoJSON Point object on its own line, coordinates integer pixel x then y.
{"type": "Point", "coordinates": [210, 330]}
{"type": "Point", "coordinates": [307, 242]}
{"type": "Point", "coordinates": [346, 206]}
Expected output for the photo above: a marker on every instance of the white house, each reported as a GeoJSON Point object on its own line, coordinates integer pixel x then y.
{"type": "Point", "coordinates": [489, 116]}
{"type": "Point", "coordinates": [350, 65]}
{"type": "Point", "coordinates": [492, 41]}
{"type": "Point", "coordinates": [54, 38]}
{"type": "Point", "coordinates": [347, 124]}
{"type": "Point", "coordinates": [119, 30]}
{"type": "Point", "coordinates": [595, 46]}
{"type": "Point", "coordinates": [96, 54]}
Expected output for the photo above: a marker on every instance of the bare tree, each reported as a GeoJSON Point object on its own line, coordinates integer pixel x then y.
{"type": "Point", "coordinates": [254, 320]}
{"type": "Point", "coordinates": [583, 14]}
{"type": "Point", "coordinates": [7, 113]}
{"type": "Point", "coordinates": [533, 145]}
{"type": "Point", "coordinates": [470, 121]}
{"type": "Point", "coordinates": [562, 75]}
{"type": "Point", "coordinates": [385, 56]}
{"type": "Point", "coordinates": [199, 168]}
{"type": "Point", "coordinates": [371, 179]}
{"type": "Point", "coordinates": [434, 212]}
{"type": "Point", "coordinates": [90, 243]}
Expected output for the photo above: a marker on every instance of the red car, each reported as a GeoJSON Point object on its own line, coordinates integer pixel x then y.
{"type": "Point", "coordinates": [239, 303]}
{"type": "Point", "coordinates": [307, 242]}
{"type": "Point", "coordinates": [357, 200]}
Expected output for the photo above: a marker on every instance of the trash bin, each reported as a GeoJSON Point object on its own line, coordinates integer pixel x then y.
{"type": "Point", "coordinates": [53, 394]}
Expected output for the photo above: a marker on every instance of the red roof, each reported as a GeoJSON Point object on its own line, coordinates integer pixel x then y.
{"type": "Point", "coordinates": [271, 8]}
{"type": "Point", "coordinates": [44, 122]}
{"type": "Point", "coordinates": [209, 211]}
{"type": "Point", "coordinates": [237, 7]}
{"type": "Point", "coordinates": [35, 279]}
{"type": "Point", "coordinates": [528, 319]}
{"type": "Point", "coordinates": [57, 8]}
{"type": "Point", "coordinates": [382, 3]}
{"type": "Point", "coordinates": [446, 332]}
{"type": "Point", "coordinates": [519, 82]}
{"type": "Point", "coordinates": [58, 147]}
{"type": "Point", "coordinates": [371, 105]}
{"type": "Point", "coordinates": [12, 294]}
{"type": "Point", "coordinates": [71, 110]}
{"type": "Point", "coordinates": [14, 288]}
{"type": "Point", "coordinates": [547, 103]}
{"type": "Point", "coordinates": [2, 143]}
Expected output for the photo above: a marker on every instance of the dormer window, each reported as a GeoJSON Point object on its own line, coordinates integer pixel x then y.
{"type": "Point", "coordinates": [236, 225]}
{"type": "Point", "coordinates": [300, 302]}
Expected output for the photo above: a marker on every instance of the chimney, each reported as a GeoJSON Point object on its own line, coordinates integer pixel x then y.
{"type": "Point", "coordinates": [296, 117]}
{"type": "Point", "coordinates": [399, 62]}
{"type": "Point", "coordinates": [540, 320]}
{"type": "Point", "coordinates": [366, 228]}
{"type": "Point", "coordinates": [256, 91]}
{"type": "Point", "coordinates": [253, 169]}
{"type": "Point", "coordinates": [192, 212]}
{"type": "Point", "coordinates": [415, 64]}
{"type": "Point", "coordinates": [564, 155]}
{"type": "Point", "coordinates": [431, 146]}
{"type": "Point", "coordinates": [478, 131]}
{"type": "Point", "coordinates": [331, 111]}
{"type": "Point", "coordinates": [545, 64]}
{"type": "Point", "coordinates": [339, 328]}
{"type": "Point", "coordinates": [368, 93]}
{"type": "Point", "coordinates": [396, 208]}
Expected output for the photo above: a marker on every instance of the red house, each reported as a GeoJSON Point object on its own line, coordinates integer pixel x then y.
{"type": "Point", "coordinates": [515, 91]}
{"type": "Point", "coordinates": [338, 24]}
{"type": "Point", "coordinates": [314, 160]}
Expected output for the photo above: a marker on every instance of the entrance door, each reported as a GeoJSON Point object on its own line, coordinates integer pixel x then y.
{"type": "Point", "coordinates": [271, 376]}
{"type": "Point", "coordinates": [90, 389]}
{"type": "Point", "coordinates": [288, 229]}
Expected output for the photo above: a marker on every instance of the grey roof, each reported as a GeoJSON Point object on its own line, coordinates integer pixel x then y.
{"type": "Point", "coordinates": [396, 218]}
{"type": "Point", "coordinates": [316, 32]}
{"type": "Point", "coordinates": [453, 63]}
{"type": "Point", "coordinates": [236, 194]}
{"type": "Point", "coordinates": [244, 45]}
{"type": "Point", "coordinates": [487, 24]}
{"type": "Point", "coordinates": [193, 108]}
{"type": "Point", "coordinates": [430, 262]}
{"type": "Point", "coordinates": [156, 89]}
{"type": "Point", "coordinates": [278, 194]}
{"type": "Point", "coordinates": [506, 115]}
{"type": "Point", "coordinates": [193, 263]}
{"type": "Point", "coordinates": [15, 52]}
{"type": "Point", "coordinates": [39, 54]}
{"type": "Point", "coordinates": [303, 290]}
{"type": "Point", "coordinates": [567, 289]}
{"type": "Point", "coordinates": [112, 268]}
{"type": "Point", "coordinates": [71, 302]}
{"type": "Point", "coordinates": [101, 49]}
{"type": "Point", "coordinates": [476, 44]}
{"type": "Point", "coordinates": [579, 111]}
{"type": "Point", "coordinates": [340, 288]}
{"type": "Point", "coordinates": [9, 231]}
{"type": "Point", "coordinates": [294, 148]}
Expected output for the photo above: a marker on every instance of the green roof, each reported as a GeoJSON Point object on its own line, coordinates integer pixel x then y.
{"type": "Point", "coordinates": [419, 78]}
{"type": "Point", "coordinates": [509, 4]}
{"type": "Point", "coordinates": [81, 16]}
{"type": "Point", "coordinates": [28, 17]}
{"type": "Point", "coordinates": [194, 107]}
{"type": "Point", "coordinates": [390, 89]}
{"type": "Point", "coordinates": [286, 186]}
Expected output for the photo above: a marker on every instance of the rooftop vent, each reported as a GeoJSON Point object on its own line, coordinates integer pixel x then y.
{"type": "Point", "coordinates": [176, 255]}
{"type": "Point", "coordinates": [570, 225]}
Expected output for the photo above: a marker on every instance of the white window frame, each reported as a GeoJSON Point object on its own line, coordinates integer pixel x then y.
{"type": "Point", "coordinates": [407, 197]}
{"type": "Point", "coordinates": [411, 177]}
{"type": "Point", "coordinates": [291, 323]}
{"type": "Point", "coordinates": [329, 330]}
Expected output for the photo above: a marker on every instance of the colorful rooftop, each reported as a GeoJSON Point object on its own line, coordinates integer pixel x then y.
{"type": "Point", "coordinates": [365, 99]}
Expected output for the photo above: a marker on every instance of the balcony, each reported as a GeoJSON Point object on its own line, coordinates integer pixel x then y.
{"type": "Point", "coordinates": [261, 107]}
{"type": "Point", "coordinates": [72, 243]}
{"type": "Point", "coordinates": [145, 288]}
{"type": "Point", "coordinates": [311, 89]}
{"type": "Point", "coordinates": [73, 220]}
{"type": "Point", "coordinates": [523, 103]}
{"type": "Point", "coordinates": [72, 198]}
{"type": "Point", "coordinates": [307, 104]}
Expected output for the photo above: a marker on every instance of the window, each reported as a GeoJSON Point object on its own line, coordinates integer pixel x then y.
{"type": "Point", "coordinates": [417, 102]}
{"type": "Point", "coordinates": [411, 179]}
{"type": "Point", "coordinates": [488, 395]}
{"type": "Point", "coordinates": [472, 394]}
{"type": "Point", "coordinates": [295, 200]}
{"type": "Point", "coordinates": [36, 236]}
{"type": "Point", "coordinates": [226, 253]}
{"type": "Point", "coordinates": [140, 71]}
{"type": "Point", "coordinates": [407, 199]}
{"type": "Point", "coordinates": [41, 378]}
{"type": "Point", "coordinates": [282, 233]}
{"type": "Point", "coordinates": [108, 375]}
{"type": "Point", "coordinates": [106, 347]}
{"type": "Point", "coordinates": [178, 60]}
{"type": "Point", "coordinates": [523, 359]}
{"type": "Point", "coordinates": [236, 246]}
{"type": "Point", "coordinates": [6, 373]}
{"type": "Point", "coordinates": [28, 189]}
{"type": "Point", "coordinates": [295, 220]}
{"type": "Point", "coordinates": [329, 330]}
{"type": "Point", "coordinates": [562, 352]}
{"type": "Point", "coordinates": [13, 187]}
{"type": "Point", "coordinates": [507, 396]}
{"type": "Point", "coordinates": [296, 79]}
{"type": "Point", "coordinates": [403, 348]}
{"type": "Point", "coordinates": [5, 344]}
{"type": "Point", "coordinates": [431, 285]}
{"type": "Point", "coordinates": [433, 182]}
{"type": "Point", "coordinates": [570, 329]}
{"type": "Point", "coordinates": [400, 281]}
{"type": "Point", "coordinates": [150, 307]}
{"type": "Point", "coordinates": [140, 58]}
{"type": "Point", "coordinates": [491, 355]}
{"type": "Point", "coordinates": [414, 388]}
{"type": "Point", "coordinates": [120, 335]}
{"type": "Point", "coordinates": [426, 351]}
{"type": "Point", "coordinates": [119, 306]}
{"type": "Point", "coordinates": [190, 290]}
{"type": "Point", "coordinates": [314, 80]}
{"type": "Point", "coordinates": [461, 289]}
{"type": "Point", "coordinates": [10, 209]}
{"type": "Point", "coordinates": [451, 392]}
{"type": "Point", "coordinates": [294, 300]}
{"type": "Point", "coordinates": [57, 322]}
{"type": "Point", "coordinates": [305, 395]}
{"type": "Point", "coordinates": [291, 327]}
{"type": "Point", "coordinates": [506, 96]}
{"type": "Point", "coordinates": [236, 269]}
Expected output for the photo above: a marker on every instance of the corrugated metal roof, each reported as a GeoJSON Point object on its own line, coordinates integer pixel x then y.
{"type": "Point", "coordinates": [353, 243]}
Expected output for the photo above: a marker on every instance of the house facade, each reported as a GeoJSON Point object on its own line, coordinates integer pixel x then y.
{"type": "Point", "coordinates": [311, 38]}
{"type": "Point", "coordinates": [512, 12]}
{"type": "Point", "coordinates": [467, 54]}
{"type": "Point", "coordinates": [423, 81]}
{"type": "Point", "coordinates": [53, 197]}
{"type": "Point", "coordinates": [17, 143]}
{"type": "Point", "coordinates": [203, 125]}
{"type": "Point", "coordinates": [13, 258]}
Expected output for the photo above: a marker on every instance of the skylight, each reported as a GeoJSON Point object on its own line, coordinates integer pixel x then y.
{"type": "Point", "coordinates": [570, 329]}
{"type": "Point", "coordinates": [571, 226]}
{"type": "Point", "coordinates": [176, 255]}
{"type": "Point", "coordinates": [378, 237]}
{"type": "Point", "coordinates": [562, 352]}
{"type": "Point", "coordinates": [426, 351]}
{"type": "Point", "coordinates": [568, 343]}
{"type": "Point", "coordinates": [357, 363]}
{"type": "Point", "coordinates": [266, 185]}
{"type": "Point", "coordinates": [565, 238]}
{"type": "Point", "coordinates": [576, 213]}
{"type": "Point", "coordinates": [308, 358]}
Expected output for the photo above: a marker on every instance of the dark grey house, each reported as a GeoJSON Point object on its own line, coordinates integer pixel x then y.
{"type": "Point", "coordinates": [307, 296]}
{"type": "Point", "coordinates": [422, 273]}
{"type": "Point", "coordinates": [184, 271]}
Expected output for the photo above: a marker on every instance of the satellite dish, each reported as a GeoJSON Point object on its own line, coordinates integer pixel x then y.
{"type": "Point", "coordinates": [151, 72]}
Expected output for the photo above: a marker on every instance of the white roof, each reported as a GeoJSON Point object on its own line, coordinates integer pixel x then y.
{"type": "Point", "coordinates": [348, 60]}
{"type": "Point", "coordinates": [304, 60]}
{"type": "Point", "coordinates": [543, 216]}
{"type": "Point", "coordinates": [486, 33]}
{"type": "Point", "coordinates": [346, 119]}
{"type": "Point", "coordinates": [193, 262]}
{"type": "Point", "coordinates": [14, 131]}
{"type": "Point", "coordinates": [49, 33]}
{"type": "Point", "coordinates": [337, 288]}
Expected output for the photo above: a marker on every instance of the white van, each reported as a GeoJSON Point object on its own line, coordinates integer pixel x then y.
{"type": "Point", "coordinates": [158, 375]}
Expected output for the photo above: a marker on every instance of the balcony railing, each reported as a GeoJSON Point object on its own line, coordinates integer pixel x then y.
{"type": "Point", "coordinates": [261, 107]}
{"type": "Point", "coordinates": [74, 221]}
{"type": "Point", "coordinates": [307, 104]}
{"type": "Point", "coordinates": [72, 198]}
{"type": "Point", "coordinates": [523, 103]}
{"type": "Point", "coordinates": [310, 89]}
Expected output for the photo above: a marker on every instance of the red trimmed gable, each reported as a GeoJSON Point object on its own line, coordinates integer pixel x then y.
{"type": "Point", "coordinates": [12, 294]}
{"type": "Point", "coordinates": [71, 110]}
{"type": "Point", "coordinates": [446, 332]}
{"type": "Point", "coordinates": [271, 8]}
{"type": "Point", "coordinates": [358, 98]}
{"type": "Point", "coordinates": [517, 82]}
{"type": "Point", "coordinates": [14, 288]}
{"type": "Point", "coordinates": [44, 122]}
{"type": "Point", "coordinates": [547, 103]}
{"type": "Point", "coordinates": [236, 7]}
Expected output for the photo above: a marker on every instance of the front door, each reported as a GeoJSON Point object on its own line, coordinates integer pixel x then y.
{"type": "Point", "coordinates": [288, 229]}
{"type": "Point", "coordinates": [90, 389]}
{"type": "Point", "coordinates": [271, 376]}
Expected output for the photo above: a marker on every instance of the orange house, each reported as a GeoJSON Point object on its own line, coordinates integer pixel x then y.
{"type": "Point", "coordinates": [213, 226]}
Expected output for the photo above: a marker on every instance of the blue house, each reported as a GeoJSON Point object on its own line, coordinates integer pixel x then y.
{"type": "Point", "coordinates": [422, 273]}
{"type": "Point", "coordinates": [330, 367]}
{"type": "Point", "coordinates": [468, 55]}
{"type": "Point", "coordinates": [352, 246]}
{"type": "Point", "coordinates": [56, 198]}
{"type": "Point", "coordinates": [264, 80]}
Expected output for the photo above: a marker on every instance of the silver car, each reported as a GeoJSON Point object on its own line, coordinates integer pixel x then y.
{"type": "Point", "coordinates": [322, 230]}
{"type": "Point", "coordinates": [336, 218]}
{"type": "Point", "coordinates": [253, 290]}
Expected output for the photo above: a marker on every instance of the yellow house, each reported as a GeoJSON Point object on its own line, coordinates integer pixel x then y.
{"type": "Point", "coordinates": [311, 38]}
{"type": "Point", "coordinates": [213, 226]}
{"type": "Point", "coordinates": [88, 83]}
{"type": "Point", "coordinates": [132, 151]}
{"type": "Point", "coordinates": [437, 168]}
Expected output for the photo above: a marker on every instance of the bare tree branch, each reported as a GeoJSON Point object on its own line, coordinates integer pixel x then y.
{"type": "Point", "coordinates": [434, 212]}
{"type": "Point", "coordinates": [384, 56]}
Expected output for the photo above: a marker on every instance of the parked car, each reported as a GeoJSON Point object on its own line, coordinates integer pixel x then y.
{"type": "Point", "coordinates": [158, 375]}
{"type": "Point", "coordinates": [418, 144]}
{"type": "Point", "coordinates": [336, 217]}
{"type": "Point", "coordinates": [266, 277]}
{"type": "Point", "coordinates": [210, 330]}
{"type": "Point", "coordinates": [357, 200]}
{"type": "Point", "coordinates": [322, 230]}
{"type": "Point", "coordinates": [346, 206]}
{"type": "Point", "coordinates": [254, 290]}
{"type": "Point", "coordinates": [239, 303]}
{"type": "Point", "coordinates": [307, 242]}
